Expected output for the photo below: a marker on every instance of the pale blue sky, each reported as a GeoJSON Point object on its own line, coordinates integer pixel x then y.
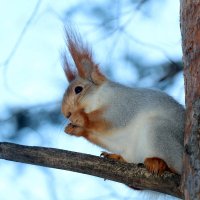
{"type": "Point", "coordinates": [34, 75]}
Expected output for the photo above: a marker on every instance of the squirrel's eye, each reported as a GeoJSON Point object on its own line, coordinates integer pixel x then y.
{"type": "Point", "coordinates": [78, 89]}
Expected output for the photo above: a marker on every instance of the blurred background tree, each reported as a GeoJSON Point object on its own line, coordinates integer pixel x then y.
{"type": "Point", "coordinates": [136, 42]}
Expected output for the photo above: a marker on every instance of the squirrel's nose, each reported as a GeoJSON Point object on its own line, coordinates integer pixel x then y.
{"type": "Point", "coordinates": [69, 114]}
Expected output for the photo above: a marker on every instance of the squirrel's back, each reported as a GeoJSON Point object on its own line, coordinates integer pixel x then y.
{"type": "Point", "coordinates": [140, 99]}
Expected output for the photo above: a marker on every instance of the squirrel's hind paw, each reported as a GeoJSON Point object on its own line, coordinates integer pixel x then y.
{"type": "Point", "coordinates": [155, 165]}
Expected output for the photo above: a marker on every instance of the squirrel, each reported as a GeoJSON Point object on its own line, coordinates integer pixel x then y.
{"type": "Point", "coordinates": [138, 125]}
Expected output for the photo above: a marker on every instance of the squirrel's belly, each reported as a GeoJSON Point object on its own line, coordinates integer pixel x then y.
{"type": "Point", "coordinates": [140, 145]}
{"type": "Point", "coordinates": [134, 142]}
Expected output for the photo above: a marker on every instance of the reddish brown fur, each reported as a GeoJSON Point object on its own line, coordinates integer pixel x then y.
{"type": "Point", "coordinates": [86, 123]}
{"type": "Point", "coordinates": [157, 165]}
{"type": "Point", "coordinates": [81, 56]}
{"type": "Point", "coordinates": [112, 156]}
{"type": "Point", "coordinates": [97, 122]}
{"type": "Point", "coordinates": [78, 51]}
{"type": "Point", "coordinates": [70, 74]}
{"type": "Point", "coordinates": [82, 132]}
{"type": "Point", "coordinates": [76, 131]}
{"type": "Point", "coordinates": [98, 76]}
{"type": "Point", "coordinates": [93, 121]}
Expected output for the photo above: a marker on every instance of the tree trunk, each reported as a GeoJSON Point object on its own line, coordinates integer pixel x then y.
{"type": "Point", "coordinates": [190, 30]}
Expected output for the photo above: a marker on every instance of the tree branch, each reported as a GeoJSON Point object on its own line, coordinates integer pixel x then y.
{"type": "Point", "coordinates": [130, 174]}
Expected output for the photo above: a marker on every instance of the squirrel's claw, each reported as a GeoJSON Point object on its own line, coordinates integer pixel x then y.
{"type": "Point", "coordinates": [112, 156]}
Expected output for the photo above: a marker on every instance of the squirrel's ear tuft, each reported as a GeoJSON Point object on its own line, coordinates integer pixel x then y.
{"type": "Point", "coordinates": [82, 57]}
{"type": "Point", "coordinates": [70, 74]}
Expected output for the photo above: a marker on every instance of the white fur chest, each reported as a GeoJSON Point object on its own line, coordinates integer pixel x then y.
{"type": "Point", "coordinates": [97, 100]}
{"type": "Point", "coordinates": [135, 141]}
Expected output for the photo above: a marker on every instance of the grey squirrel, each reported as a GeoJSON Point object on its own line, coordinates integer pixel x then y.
{"type": "Point", "coordinates": [137, 125]}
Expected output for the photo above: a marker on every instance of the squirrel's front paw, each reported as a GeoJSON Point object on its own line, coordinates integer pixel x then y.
{"type": "Point", "coordinates": [78, 118]}
{"type": "Point", "coordinates": [112, 156]}
{"type": "Point", "coordinates": [74, 130]}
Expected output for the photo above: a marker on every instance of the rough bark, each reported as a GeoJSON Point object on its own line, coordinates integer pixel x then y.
{"type": "Point", "coordinates": [190, 30]}
{"type": "Point", "coordinates": [129, 174]}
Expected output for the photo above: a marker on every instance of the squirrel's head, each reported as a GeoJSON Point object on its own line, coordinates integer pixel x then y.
{"type": "Point", "coordinates": [84, 79]}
